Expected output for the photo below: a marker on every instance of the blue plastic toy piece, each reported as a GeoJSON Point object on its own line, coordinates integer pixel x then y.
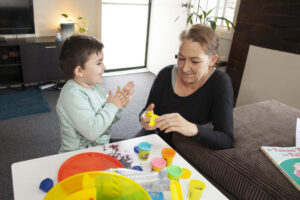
{"type": "Point", "coordinates": [136, 149]}
{"type": "Point", "coordinates": [156, 195]}
{"type": "Point", "coordinates": [139, 168]}
{"type": "Point", "coordinates": [46, 184]}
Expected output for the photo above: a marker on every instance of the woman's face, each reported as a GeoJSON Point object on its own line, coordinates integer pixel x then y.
{"type": "Point", "coordinates": [193, 62]}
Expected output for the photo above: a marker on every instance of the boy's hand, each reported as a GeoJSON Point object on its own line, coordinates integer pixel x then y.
{"type": "Point", "coordinates": [122, 97]}
{"type": "Point", "coordinates": [145, 120]}
{"type": "Point", "coordinates": [127, 93]}
{"type": "Point", "coordinates": [116, 99]}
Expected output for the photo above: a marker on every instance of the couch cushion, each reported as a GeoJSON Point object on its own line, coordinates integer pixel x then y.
{"type": "Point", "coordinates": [244, 171]}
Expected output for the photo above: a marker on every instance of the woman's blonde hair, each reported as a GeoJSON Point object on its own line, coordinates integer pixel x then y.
{"type": "Point", "coordinates": [204, 35]}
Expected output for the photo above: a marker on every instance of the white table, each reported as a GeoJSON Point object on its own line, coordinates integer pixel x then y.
{"type": "Point", "coordinates": [27, 175]}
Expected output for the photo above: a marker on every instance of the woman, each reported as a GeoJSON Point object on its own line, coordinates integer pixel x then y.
{"type": "Point", "coordinates": [193, 93]}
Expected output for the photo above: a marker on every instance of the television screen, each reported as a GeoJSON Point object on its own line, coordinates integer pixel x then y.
{"type": "Point", "coordinates": [16, 17]}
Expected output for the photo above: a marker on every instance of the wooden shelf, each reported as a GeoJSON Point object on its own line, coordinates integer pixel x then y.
{"type": "Point", "coordinates": [28, 60]}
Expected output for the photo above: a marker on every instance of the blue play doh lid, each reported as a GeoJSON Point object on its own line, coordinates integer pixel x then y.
{"type": "Point", "coordinates": [144, 146]}
{"type": "Point", "coordinates": [139, 168]}
{"type": "Point", "coordinates": [136, 149]}
{"type": "Point", "coordinates": [46, 184]}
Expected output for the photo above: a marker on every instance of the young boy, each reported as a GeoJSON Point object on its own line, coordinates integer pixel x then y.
{"type": "Point", "coordinates": [85, 110]}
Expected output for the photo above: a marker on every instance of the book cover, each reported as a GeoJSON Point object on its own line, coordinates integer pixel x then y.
{"type": "Point", "coordinates": [287, 159]}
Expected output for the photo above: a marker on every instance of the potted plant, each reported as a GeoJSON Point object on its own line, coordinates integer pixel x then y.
{"type": "Point", "coordinates": [81, 22]}
{"type": "Point", "coordinates": [204, 18]}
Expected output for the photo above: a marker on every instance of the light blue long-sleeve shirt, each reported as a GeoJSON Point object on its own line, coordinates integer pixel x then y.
{"type": "Point", "coordinates": [85, 116]}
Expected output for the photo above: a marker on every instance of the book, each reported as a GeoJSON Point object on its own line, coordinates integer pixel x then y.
{"type": "Point", "coordinates": [287, 159]}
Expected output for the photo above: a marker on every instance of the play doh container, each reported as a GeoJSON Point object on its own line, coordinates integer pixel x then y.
{"type": "Point", "coordinates": [196, 189]}
{"type": "Point", "coordinates": [158, 164]}
{"type": "Point", "coordinates": [174, 172]}
{"type": "Point", "coordinates": [144, 150]}
{"type": "Point", "coordinates": [168, 154]}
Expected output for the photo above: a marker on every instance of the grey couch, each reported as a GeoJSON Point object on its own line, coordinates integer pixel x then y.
{"type": "Point", "coordinates": [244, 172]}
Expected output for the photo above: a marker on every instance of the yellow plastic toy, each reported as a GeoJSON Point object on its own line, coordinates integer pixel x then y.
{"type": "Point", "coordinates": [152, 118]}
{"type": "Point", "coordinates": [97, 185]}
{"type": "Point", "coordinates": [175, 189]}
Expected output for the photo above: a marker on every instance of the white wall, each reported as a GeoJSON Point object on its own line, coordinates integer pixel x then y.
{"type": "Point", "coordinates": [268, 75]}
{"type": "Point", "coordinates": [164, 33]}
{"type": "Point", "coordinates": [224, 47]}
{"type": "Point", "coordinates": [47, 15]}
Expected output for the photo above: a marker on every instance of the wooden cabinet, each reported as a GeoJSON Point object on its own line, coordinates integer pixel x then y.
{"type": "Point", "coordinates": [10, 64]}
{"type": "Point", "coordinates": [29, 60]}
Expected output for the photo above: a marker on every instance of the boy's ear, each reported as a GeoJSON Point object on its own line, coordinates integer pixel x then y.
{"type": "Point", "coordinates": [78, 72]}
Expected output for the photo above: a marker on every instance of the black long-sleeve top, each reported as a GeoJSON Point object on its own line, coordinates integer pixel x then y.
{"type": "Point", "coordinates": [211, 103]}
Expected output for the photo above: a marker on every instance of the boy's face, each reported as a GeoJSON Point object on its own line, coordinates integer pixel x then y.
{"type": "Point", "coordinates": [93, 69]}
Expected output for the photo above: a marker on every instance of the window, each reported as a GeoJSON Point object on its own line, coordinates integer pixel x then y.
{"type": "Point", "coordinates": [124, 28]}
{"type": "Point", "coordinates": [221, 8]}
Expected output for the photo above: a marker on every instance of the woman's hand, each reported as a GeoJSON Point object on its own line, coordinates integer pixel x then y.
{"type": "Point", "coordinates": [174, 122]}
{"type": "Point", "coordinates": [145, 120]}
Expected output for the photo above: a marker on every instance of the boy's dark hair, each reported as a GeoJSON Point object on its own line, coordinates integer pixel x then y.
{"type": "Point", "coordinates": [75, 52]}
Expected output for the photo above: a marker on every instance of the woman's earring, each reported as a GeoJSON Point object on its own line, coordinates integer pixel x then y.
{"type": "Point", "coordinates": [176, 56]}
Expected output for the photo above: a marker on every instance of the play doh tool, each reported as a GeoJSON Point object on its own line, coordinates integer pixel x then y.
{"type": "Point", "coordinates": [147, 180]}
{"type": "Point", "coordinates": [176, 191]}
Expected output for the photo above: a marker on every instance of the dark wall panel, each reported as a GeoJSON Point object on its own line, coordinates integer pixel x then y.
{"type": "Point", "coordinates": [273, 24]}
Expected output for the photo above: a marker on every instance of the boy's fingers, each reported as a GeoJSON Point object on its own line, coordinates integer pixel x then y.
{"type": "Point", "coordinates": [129, 86]}
{"type": "Point", "coordinates": [110, 93]}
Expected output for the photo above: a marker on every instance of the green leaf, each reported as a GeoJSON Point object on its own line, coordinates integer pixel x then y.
{"type": "Point", "coordinates": [201, 8]}
{"type": "Point", "coordinates": [79, 18]}
{"type": "Point", "coordinates": [82, 30]}
{"type": "Point", "coordinates": [227, 22]}
{"type": "Point", "coordinates": [210, 11]}
{"type": "Point", "coordinates": [205, 15]}
{"type": "Point", "coordinates": [64, 15]}
{"type": "Point", "coordinates": [200, 17]}
{"type": "Point", "coordinates": [85, 21]}
{"type": "Point", "coordinates": [189, 19]}
{"type": "Point", "coordinates": [213, 25]}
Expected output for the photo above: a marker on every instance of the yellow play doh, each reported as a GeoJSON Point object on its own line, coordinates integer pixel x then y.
{"type": "Point", "coordinates": [152, 118]}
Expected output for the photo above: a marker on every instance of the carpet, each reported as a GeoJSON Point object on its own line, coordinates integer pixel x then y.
{"type": "Point", "coordinates": [22, 103]}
